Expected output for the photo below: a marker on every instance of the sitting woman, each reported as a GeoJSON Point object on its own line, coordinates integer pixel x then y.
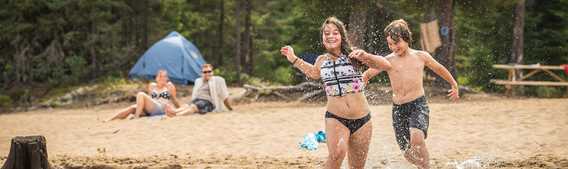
{"type": "Point", "coordinates": [161, 100]}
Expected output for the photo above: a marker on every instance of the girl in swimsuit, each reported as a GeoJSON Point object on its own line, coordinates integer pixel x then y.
{"type": "Point", "coordinates": [161, 100]}
{"type": "Point", "coordinates": [347, 117]}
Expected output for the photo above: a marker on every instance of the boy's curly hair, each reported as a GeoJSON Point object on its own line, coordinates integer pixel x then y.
{"type": "Point", "coordinates": [397, 30]}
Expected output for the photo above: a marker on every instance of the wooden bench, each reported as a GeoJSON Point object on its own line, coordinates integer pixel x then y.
{"type": "Point", "coordinates": [513, 79]}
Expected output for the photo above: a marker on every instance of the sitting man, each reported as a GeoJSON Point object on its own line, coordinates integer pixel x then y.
{"type": "Point", "coordinates": [209, 94]}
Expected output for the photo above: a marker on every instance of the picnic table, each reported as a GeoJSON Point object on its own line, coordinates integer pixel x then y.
{"type": "Point", "coordinates": [516, 69]}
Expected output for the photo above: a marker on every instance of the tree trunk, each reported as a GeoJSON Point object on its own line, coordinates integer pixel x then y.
{"type": "Point", "coordinates": [219, 51]}
{"type": "Point", "coordinates": [518, 44]}
{"type": "Point", "coordinates": [94, 63]}
{"type": "Point", "coordinates": [138, 23]}
{"type": "Point", "coordinates": [21, 62]}
{"type": "Point", "coordinates": [238, 39]}
{"type": "Point", "coordinates": [358, 23]}
{"type": "Point", "coordinates": [124, 33]}
{"type": "Point", "coordinates": [286, 93]}
{"type": "Point", "coordinates": [94, 39]}
{"type": "Point", "coordinates": [445, 55]}
{"type": "Point", "coordinates": [246, 64]}
{"type": "Point", "coordinates": [518, 31]}
{"type": "Point", "coordinates": [145, 23]}
{"type": "Point", "coordinates": [251, 52]}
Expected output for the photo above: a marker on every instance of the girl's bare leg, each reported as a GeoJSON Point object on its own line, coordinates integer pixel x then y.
{"type": "Point", "coordinates": [359, 146]}
{"type": "Point", "coordinates": [143, 103]}
{"type": "Point", "coordinates": [123, 114]}
{"type": "Point", "coordinates": [337, 143]}
{"type": "Point", "coordinates": [170, 111]}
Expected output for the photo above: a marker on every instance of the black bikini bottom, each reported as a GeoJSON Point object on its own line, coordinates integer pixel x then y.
{"type": "Point", "coordinates": [352, 124]}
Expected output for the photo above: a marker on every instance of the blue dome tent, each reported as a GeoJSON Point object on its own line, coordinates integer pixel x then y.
{"type": "Point", "coordinates": [173, 53]}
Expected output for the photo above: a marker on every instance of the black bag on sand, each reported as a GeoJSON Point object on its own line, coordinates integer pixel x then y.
{"type": "Point", "coordinates": [27, 152]}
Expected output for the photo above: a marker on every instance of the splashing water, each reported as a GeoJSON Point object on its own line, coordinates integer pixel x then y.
{"type": "Point", "coordinates": [473, 163]}
{"type": "Point", "coordinates": [340, 142]}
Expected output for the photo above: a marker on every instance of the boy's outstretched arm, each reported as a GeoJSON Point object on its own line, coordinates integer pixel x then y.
{"type": "Point", "coordinates": [440, 70]}
{"type": "Point", "coordinates": [373, 61]}
{"type": "Point", "coordinates": [369, 74]}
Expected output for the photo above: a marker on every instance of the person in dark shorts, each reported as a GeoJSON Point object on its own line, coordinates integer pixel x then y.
{"type": "Point", "coordinates": [209, 94]}
{"type": "Point", "coordinates": [410, 113]}
{"type": "Point", "coordinates": [414, 114]}
{"type": "Point", "coordinates": [203, 106]}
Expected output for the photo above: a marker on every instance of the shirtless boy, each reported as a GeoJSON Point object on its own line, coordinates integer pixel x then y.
{"type": "Point", "coordinates": [410, 111]}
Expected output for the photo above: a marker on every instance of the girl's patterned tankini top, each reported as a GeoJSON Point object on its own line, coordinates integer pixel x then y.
{"type": "Point", "coordinates": [340, 77]}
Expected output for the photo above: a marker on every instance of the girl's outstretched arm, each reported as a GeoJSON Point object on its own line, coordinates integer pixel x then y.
{"type": "Point", "coordinates": [173, 92]}
{"type": "Point", "coordinates": [311, 71]}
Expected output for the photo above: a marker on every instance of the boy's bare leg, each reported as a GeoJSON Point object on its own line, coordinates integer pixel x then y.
{"type": "Point", "coordinates": [417, 154]}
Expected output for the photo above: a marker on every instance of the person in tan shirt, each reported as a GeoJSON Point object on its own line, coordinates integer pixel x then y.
{"type": "Point", "coordinates": [410, 110]}
{"type": "Point", "coordinates": [209, 94]}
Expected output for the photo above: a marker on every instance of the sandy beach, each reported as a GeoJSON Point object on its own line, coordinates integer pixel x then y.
{"type": "Point", "coordinates": [498, 132]}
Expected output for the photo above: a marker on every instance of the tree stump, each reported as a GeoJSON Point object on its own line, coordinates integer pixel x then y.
{"type": "Point", "coordinates": [27, 152]}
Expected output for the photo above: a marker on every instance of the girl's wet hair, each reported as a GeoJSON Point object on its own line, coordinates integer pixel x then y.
{"type": "Point", "coordinates": [398, 29]}
{"type": "Point", "coordinates": [345, 43]}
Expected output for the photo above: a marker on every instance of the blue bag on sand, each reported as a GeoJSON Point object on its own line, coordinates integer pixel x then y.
{"type": "Point", "coordinates": [320, 137]}
{"type": "Point", "coordinates": [309, 142]}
